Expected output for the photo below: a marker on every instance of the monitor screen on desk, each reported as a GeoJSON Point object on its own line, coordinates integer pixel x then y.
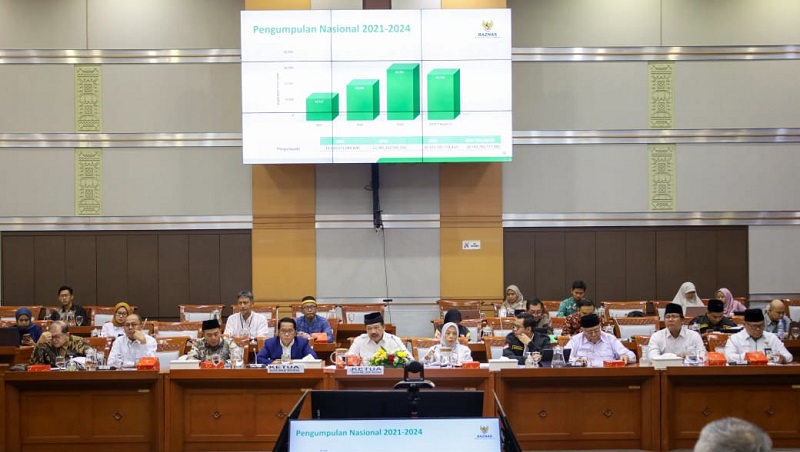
{"type": "Point", "coordinates": [397, 435]}
{"type": "Point", "coordinates": [394, 404]}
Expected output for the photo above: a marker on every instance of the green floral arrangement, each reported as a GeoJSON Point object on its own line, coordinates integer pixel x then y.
{"type": "Point", "coordinates": [386, 359]}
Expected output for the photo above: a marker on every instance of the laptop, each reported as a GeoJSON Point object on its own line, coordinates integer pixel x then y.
{"type": "Point", "coordinates": [547, 356]}
{"type": "Point", "coordinates": [9, 337]}
{"type": "Point", "coordinates": [694, 311]}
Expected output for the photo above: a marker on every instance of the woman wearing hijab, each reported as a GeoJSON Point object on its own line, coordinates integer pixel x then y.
{"type": "Point", "coordinates": [29, 332]}
{"type": "Point", "coordinates": [687, 296]}
{"type": "Point", "coordinates": [513, 301]}
{"type": "Point", "coordinates": [729, 304]}
{"type": "Point", "coordinates": [448, 344]}
{"type": "Point", "coordinates": [454, 316]}
{"type": "Point", "coordinates": [115, 327]}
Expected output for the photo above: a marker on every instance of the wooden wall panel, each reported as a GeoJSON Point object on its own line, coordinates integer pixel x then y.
{"type": "Point", "coordinates": [610, 279]}
{"type": "Point", "coordinates": [143, 274]}
{"type": "Point", "coordinates": [173, 274]}
{"type": "Point", "coordinates": [670, 263]}
{"type": "Point", "coordinates": [112, 270]}
{"type": "Point", "coordinates": [733, 261]}
{"type": "Point", "coordinates": [18, 265]}
{"type": "Point", "coordinates": [204, 269]}
{"type": "Point", "coordinates": [701, 261]}
{"type": "Point", "coordinates": [49, 273]}
{"type": "Point", "coordinates": [549, 278]}
{"type": "Point", "coordinates": [474, 273]}
{"type": "Point", "coordinates": [580, 254]}
{"type": "Point", "coordinates": [235, 263]}
{"type": "Point", "coordinates": [640, 265]}
{"type": "Point", "coordinates": [81, 266]}
{"type": "Point", "coordinates": [518, 265]}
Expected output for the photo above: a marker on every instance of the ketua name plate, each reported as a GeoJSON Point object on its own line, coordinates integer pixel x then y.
{"type": "Point", "coordinates": [365, 370]}
{"type": "Point", "coordinates": [286, 369]}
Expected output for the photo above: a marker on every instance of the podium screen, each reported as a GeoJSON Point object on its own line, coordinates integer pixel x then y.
{"type": "Point", "coordinates": [395, 435]}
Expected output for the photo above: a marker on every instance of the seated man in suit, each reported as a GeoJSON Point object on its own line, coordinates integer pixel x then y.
{"type": "Point", "coordinates": [286, 343]}
{"type": "Point", "coordinates": [524, 339]}
{"type": "Point", "coordinates": [367, 344]}
{"type": "Point", "coordinates": [713, 320]}
{"type": "Point", "coordinates": [57, 342]}
{"type": "Point", "coordinates": [593, 346]}
{"type": "Point", "coordinates": [674, 338]}
{"type": "Point", "coordinates": [212, 343]}
{"type": "Point", "coordinates": [309, 322]}
{"type": "Point", "coordinates": [135, 345]}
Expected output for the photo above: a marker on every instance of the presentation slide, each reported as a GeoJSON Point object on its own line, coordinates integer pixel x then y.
{"type": "Point", "coordinates": [385, 86]}
{"type": "Point", "coordinates": [395, 435]}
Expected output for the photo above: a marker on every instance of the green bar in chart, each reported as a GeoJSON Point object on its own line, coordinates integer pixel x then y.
{"type": "Point", "coordinates": [402, 91]}
{"type": "Point", "coordinates": [322, 106]}
{"type": "Point", "coordinates": [363, 101]}
{"type": "Point", "coordinates": [444, 93]}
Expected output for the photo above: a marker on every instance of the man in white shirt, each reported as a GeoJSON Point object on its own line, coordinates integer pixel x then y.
{"type": "Point", "coordinates": [246, 322]}
{"type": "Point", "coordinates": [128, 349]}
{"type": "Point", "coordinates": [376, 337]}
{"type": "Point", "coordinates": [674, 338]}
{"type": "Point", "coordinates": [593, 346]}
{"type": "Point", "coordinates": [753, 338]}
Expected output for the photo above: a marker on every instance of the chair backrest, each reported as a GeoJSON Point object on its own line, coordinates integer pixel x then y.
{"type": "Point", "coordinates": [501, 326]}
{"type": "Point", "coordinates": [269, 311]}
{"type": "Point", "coordinates": [636, 326]}
{"type": "Point", "coordinates": [272, 325]}
{"type": "Point", "coordinates": [661, 307]}
{"type": "Point", "coordinates": [100, 343]}
{"type": "Point", "coordinates": [552, 307]}
{"type": "Point", "coordinates": [99, 315]}
{"type": "Point", "coordinates": [169, 349]}
{"type": "Point", "coordinates": [9, 313]}
{"type": "Point", "coordinates": [640, 340]}
{"type": "Point", "coordinates": [470, 309]}
{"type": "Point", "coordinates": [715, 340]}
{"type": "Point", "coordinates": [354, 313]}
{"type": "Point", "coordinates": [792, 308]}
{"type": "Point", "coordinates": [494, 346]}
{"type": "Point", "coordinates": [177, 329]}
{"type": "Point", "coordinates": [199, 312]}
{"type": "Point", "coordinates": [325, 310]}
{"type": "Point", "coordinates": [558, 324]}
{"type": "Point", "coordinates": [420, 346]}
{"type": "Point", "coordinates": [474, 327]}
{"type": "Point", "coordinates": [616, 309]}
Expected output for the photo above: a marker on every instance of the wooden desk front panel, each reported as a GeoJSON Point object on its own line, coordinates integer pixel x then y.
{"type": "Point", "coordinates": [765, 395]}
{"type": "Point", "coordinates": [85, 411]}
{"type": "Point", "coordinates": [445, 379]}
{"type": "Point", "coordinates": [229, 410]}
{"type": "Point", "coordinates": [581, 408]}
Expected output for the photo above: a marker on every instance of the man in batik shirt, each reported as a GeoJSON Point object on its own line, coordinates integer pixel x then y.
{"type": "Point", "coordinates": [57, 342]}
{"type": "Point", "coordinates": [212, 343]}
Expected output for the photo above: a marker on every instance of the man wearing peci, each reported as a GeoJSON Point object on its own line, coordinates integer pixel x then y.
{"type": "Point", "coordinates": [286, 343]}
{"type": "Point", "coordinates": [713, 320]}
{"type": "Point", "coordinates": [593, 346]}
{"type": "Point", "coordinates": [753, 338]}
{"type": "Point", "coordinates": [367, 344]}
{"type": "Point", "coordinates": [128, 350]}
{"type": "Point", "coordinates": [674, 338]}
{"type": "Point", "coordinates": [212, 343]}
{"type": "Point", "coordinates": [246, 322]}
{"type": "Point", "coordinates": [66, 297]}
{"type": "Point", "coordinates": [309, 322]}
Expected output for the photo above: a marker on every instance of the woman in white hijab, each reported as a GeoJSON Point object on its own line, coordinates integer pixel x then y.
{"type": "Point", "coordinates": [448, 345]}
{"type": "Point", "coordinates": [513, 301]}
{"type": "Point", "coordinates": [687, 296]}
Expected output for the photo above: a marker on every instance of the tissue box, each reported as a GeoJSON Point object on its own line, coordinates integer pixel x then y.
{"type": "Point", "coordinates": [184, 364]}
{"type": "Point", "coordinates": [756, 358]}
{"type": "Point", "coordinates": [39, 368]}
{"type": "Point", "coordinates": [148, 363]}
{"type": "Point", "coordinates": [497, 364]}
{"type": "Point", "coordinates": [663, 363]}
{"type": "Point", "coordinates": [716, 359]}
{"type": "Point", "coordinates": [614, 363]}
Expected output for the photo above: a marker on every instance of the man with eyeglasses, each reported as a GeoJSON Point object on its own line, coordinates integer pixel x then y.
{"type": "Point", "coordinates": [246, 322]}
{"type": "Point", "coordinates": [376, 337]}
{"type": "Point", "coordinates": [541, 318]}
{"type": "Point", "coordinates": [212, 343]}
{"type": "Point", "coordinates": [286, 343]}
{"type": "Point", "coordinates": [57, 342]}
{"type": "Point", "coordinates": [135, 345]}
{"type": "Point", "coordinates": [674, 338]}
{"type": "Point", "coordinates": [753, 338]}
{"type": "Point", "coordinates": [309, 322]}
{"type": "Point", "coordinates": [592, 346]}
{"type": "Point", "coordinates": [523, 339]}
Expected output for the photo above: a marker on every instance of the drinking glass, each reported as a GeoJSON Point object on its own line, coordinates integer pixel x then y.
{"type": "Point", "coordinates": [444, 360]}
{"type": "Point", "coordinates": [238, 358]}
{"type": "Point", "coordinates": [78, 320]}
{"type": "Point", "coordinates": [537, 356]}
{"type": "Point", "coordinates": [454, 359]}
{"type": "Point", "coordinates": [351, 317]}
{"type": "Point", "coordinates": [101, 358]}
{"type": "Point", "coordinates": [61, 362]}
{"type": "Point", "coordinates": [691, 356]}
{"type": "Point", "coordinates": [286, 358]}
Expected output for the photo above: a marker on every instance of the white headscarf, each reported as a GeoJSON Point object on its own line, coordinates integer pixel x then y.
{"type": "Point", "coordinates": [682, 300]}
{"type": "Point", "coordinates": [520, 303]}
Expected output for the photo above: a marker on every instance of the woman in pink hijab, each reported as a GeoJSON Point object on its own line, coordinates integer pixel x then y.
{"type": "Point", "coordinates": [729, 304]}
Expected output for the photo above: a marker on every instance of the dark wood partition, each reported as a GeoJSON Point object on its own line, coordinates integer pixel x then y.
{"type": "Point", "coordinates": [154, 270]}
{"type": "Point", "coordinates": [636, 263]}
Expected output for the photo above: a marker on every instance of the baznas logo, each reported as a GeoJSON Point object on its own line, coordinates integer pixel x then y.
{"type": "Point", "coordinates": [487, 26]}
{"type": "Point", "coordinates": [484, 428]}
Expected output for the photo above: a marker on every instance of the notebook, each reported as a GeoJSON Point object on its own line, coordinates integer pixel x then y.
{"type": "Point", "coordinates": [9, 337]}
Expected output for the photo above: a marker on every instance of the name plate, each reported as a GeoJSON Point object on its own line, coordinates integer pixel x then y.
{"type": "Point", "coordinates": [365, 370]}
{"type": "Point", "coordinates": [286, 369]}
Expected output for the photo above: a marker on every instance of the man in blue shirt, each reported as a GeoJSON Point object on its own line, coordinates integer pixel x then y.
{"type": "Point", "coordinates": [310, 322]}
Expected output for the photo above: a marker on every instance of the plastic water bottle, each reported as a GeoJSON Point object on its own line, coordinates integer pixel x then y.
{"type": "Point", "coordinates": [780, 332]}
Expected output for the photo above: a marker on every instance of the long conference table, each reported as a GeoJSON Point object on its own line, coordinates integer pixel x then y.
{"type": "Point", "coordinates": [243, 410]}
